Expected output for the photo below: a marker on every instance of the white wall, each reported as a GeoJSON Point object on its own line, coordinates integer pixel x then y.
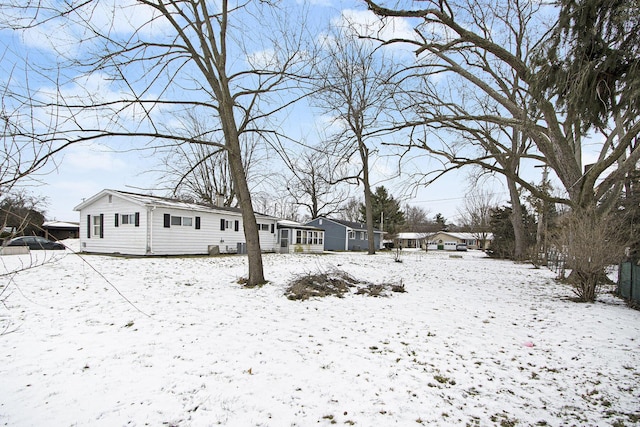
{"type": "Point", "coordinates": [124, 239]}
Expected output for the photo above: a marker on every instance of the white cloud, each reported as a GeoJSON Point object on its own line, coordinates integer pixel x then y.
{"type": "Point", "coordinates": [93, 157]}
{"type": "Point", "coordinates": [66, 35]}
{"type": "Point", "coordinates": [366, 23]}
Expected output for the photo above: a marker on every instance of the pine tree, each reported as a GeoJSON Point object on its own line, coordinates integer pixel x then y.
{"type": "Point", "coordinates": [591, 62]}
{"type": "Point", "coordinates": [386, 211]}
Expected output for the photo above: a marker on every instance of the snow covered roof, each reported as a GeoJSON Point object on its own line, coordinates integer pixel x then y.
{"type": "Point", "coordinates": [60, 224]}
{"type": "Point", "coordinates": [456, 235]}
{"type": "Point", "coordinates": [158, 201]}
{"type": "Point", "coordinates": [467, 235]}
{"type": "Point", "coordinates": [413, 235]}
{"type": "Point", "coordinates": [350, 224]}
{"type": "Point", "coordinates": [285, 223]}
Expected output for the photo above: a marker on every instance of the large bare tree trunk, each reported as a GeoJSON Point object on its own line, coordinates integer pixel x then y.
{"type": "Point", "coordinates": [252, 237]}
{"type": "Point", "coordinates": [368, 202]}
{"type": "Point", "coordinates": [516, 221]}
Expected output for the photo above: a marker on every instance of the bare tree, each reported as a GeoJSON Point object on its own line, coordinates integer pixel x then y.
{"type": "Point", "coordinates": [475, 214]}
{"type": "Point", "coordinates": [350, 210]}
{"type": "Point", "coordinates": [591, 244]}
{"type": "Point", "coordinates": [416, 219]}
{"type": "Point", "coordinates": [480, 42]}
{"type": "Point", "coordinates": [314, 182]}
{"type": "Point", "coordinates": [356, 90]}
{"type": "Point", "coordinates": [201, 172]}
{"type": "Point", "coordinates": [127, 75]}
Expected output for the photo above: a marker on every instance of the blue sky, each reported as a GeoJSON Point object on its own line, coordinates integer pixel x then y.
{"type": "Point", "coordinates": [85, 169]}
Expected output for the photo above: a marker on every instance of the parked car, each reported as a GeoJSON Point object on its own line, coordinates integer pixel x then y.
{"type": "Point", "coordinates": [461, 247]}
{"type": "Point", "coordinates": [36, 243]}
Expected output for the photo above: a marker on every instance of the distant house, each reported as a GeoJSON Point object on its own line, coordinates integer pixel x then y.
{"type": "Point", "coordinates": [342, 235]}
{"type": "Point", "coordinates": [294, 237]}
{"type": "Point", "coordinates": [412, 240]}
{"type": "Point", "coordinates": [118, 222]}
{"type": "Point", "coordinates": [60, 230]}
{"type": "Point", "coordinates": [448, 240]}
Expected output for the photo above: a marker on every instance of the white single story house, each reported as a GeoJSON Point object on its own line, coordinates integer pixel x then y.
{"type": "Point", "coordinates": [448, 240]}
{"type": "Point", "coordinates": [411, 240]}
{"type": "Point", "coordinates": [294, 237]}
{"type": "Point", "coordinates": [119, 222]}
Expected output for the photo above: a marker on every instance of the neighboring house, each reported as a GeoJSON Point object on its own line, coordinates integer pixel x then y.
{"type": "Point", "coordinates": [342, 235]}
{"type": "Point", "coordinates": [60, 230]}
{"type": "Point", "coordinates": [409, 240]}
{"type": "Point", "coordinates": [294, 237]}
{"type": "Point", "coordinates": [118, 222]}
{"type": "Point", "coordinates": [448, 240]}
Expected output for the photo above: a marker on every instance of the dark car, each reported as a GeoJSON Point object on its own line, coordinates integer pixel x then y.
{"type": "Point", "coordinates": [461, 247]}
{"type": "Point", "coordinates": [35, 243]}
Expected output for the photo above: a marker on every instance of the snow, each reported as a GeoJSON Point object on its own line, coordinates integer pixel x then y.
{"type": "Point", "coordinates": [106, 341]}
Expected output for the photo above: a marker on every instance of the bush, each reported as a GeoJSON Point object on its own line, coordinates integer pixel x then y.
{"type": "Point", "coordinates": [335, 283]}
{"type": "Point", "coordinates": [592, 243]}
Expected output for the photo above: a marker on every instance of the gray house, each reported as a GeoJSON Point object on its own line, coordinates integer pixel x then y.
{"type": "Point", "coordinates": [342, 235]}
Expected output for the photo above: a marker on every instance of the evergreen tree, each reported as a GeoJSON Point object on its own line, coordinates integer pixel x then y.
{"type": "Point", "coordinates": [386, 211]}
{"type": "Point", "coordinates": [591, 62]}
{"type": "Point", "coordinates": [441, 222]}
{"type": "Point", "coordinates": [503, 244]}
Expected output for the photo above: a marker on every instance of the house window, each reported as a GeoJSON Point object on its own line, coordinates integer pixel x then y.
{"type": "Point", "coordinates": [352, 235]}
{"type": "Point", "coordinates": [321, 237]}
{"type": "Point", "coordinates": [185, 221]}
{"type": "Point", "coordinates": [97, 225]}
{"type": "Point", "coordinates": [315, 237]}
{"type": "Point", "coordinates": [263, 227]}
{"type": "Point", "coordinates": [127, 219]}
{"type": "Point", "coordinates": [298, 236]}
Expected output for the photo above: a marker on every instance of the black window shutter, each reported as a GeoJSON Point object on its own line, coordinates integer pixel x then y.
{"type": "Point", "coordinates": [116, 223]}
{"type": "Point", "coordinates": [197, 223]}
{"type": "Point", "coordinates": [101, 226]}
{"type": "Point", "coordinates": [272, 228]}
{"type": "Point", "coordinates": [88, 226]}
{"type": "Point", "coordinates": [137, 219]}
{"type": "Point", "coordinates": [167, 220]}
{"type": "Point", "coordinates": [222, 224]}
{"type": "Point", "coordinates": [236, 226]}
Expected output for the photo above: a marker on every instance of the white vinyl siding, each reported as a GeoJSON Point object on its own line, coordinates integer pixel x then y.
{"type": "Point", "coordinates": [156, 230]}
{"type": "Point", "coordinates": [130, 240]}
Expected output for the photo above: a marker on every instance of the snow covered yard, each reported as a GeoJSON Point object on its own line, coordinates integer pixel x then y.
{"type": "Point", "coordinates": [473, 341]}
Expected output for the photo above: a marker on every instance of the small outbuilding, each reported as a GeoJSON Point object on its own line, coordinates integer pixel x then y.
{"type": "Point", "coordinates": [60, 230]}
{"type": "Point", "coordinates": [119, 222]}
{"type": "Point", "coordinates": [340, 235]}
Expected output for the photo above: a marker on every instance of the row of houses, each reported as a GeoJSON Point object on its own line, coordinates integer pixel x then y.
{"type": "Point", "coordinates": [119, 222]}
